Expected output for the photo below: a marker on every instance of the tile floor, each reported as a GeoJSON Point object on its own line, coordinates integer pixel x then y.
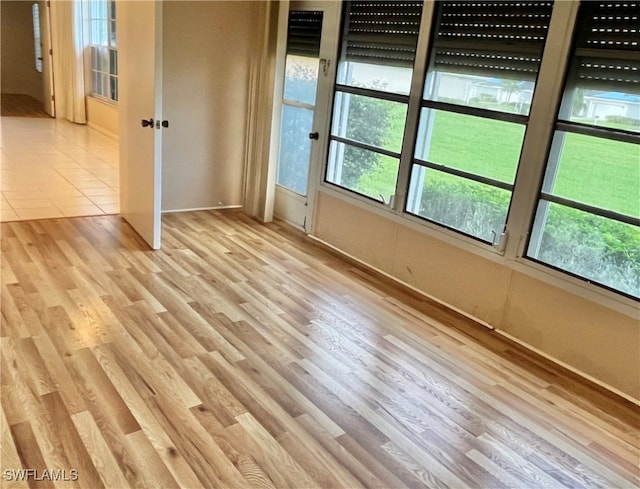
{"type": "Point", "coordinates": [53, 168]}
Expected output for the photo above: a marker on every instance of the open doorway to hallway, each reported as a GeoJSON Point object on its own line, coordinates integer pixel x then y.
{"type": "Point", "coordinates": [53, 168]}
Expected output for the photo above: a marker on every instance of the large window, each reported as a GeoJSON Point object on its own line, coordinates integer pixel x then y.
{"type": "Point", "coordinates": [372, 93]}
{"type": "Point", "coordinates": [450, 123]}
{"type": "Point", "coordinates": [588, 215]}
{"type": "Point", "coordinates": [104, 55]}
{"type": "Point", "coordinates": [482, 71]}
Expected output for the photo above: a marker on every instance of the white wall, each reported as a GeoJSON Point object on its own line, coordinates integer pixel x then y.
{"type": "Point", "coordinates": [587, 336]}
{"type": "Point", "coordinates": [208, 51]}
{"type": "Point", "coordinates": [17, 47]}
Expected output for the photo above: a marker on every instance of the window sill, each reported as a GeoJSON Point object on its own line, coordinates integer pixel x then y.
{"type": "Point", "coordinates": [103, 100]}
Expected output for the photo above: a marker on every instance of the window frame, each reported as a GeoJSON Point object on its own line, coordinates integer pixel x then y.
{"type": "Point", "coordinates": [406, 99]}
{"type": "Point", "coordinates": [562, 125]}
{"type": "Point", "coordinates": [499, 241]}
{"type": "Point", "coordinates": [545, 103]}
{"type": "Point", "coordinates": [109, 49]}
{"type": "Point", "coordinates": [37, 41]}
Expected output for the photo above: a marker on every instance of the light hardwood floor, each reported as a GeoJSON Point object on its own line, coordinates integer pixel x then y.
{"type": "Point", "coordinates": [243, 355]}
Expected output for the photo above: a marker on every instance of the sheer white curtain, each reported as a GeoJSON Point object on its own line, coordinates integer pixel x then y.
{"type": "Point", "coordinates": [68, 59]}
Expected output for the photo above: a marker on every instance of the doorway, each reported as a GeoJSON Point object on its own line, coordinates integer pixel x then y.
{"type": "Point", "coordinates": [27, 77]}
{"type": "Point", "coordinates": [304, 108]}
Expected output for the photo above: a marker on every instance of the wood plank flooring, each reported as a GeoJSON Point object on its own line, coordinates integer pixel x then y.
{"type": "Point", "coordinates": [243, 355]}
{"type": "Point", "coordinates": [19, 105]}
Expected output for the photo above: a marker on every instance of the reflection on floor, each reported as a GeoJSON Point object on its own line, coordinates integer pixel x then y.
{"type": "Point", "coordinates": [53, 168]}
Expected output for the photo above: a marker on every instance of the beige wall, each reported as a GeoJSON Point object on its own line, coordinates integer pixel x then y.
{"type": "Point", "coordinates": [208, 50]}
{"type": "Point", "coordinates": [103, 116]}
{"type": "Point", "coordinates": [586, 336]}
{"type": "Point", "coordinates": [17, 50]}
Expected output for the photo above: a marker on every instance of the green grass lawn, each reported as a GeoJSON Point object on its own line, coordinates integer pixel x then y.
{"type": "Point", "coordinates": [592, 170]}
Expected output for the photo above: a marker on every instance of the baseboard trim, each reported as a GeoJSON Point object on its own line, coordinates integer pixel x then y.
{"type": "Point", "coordinates": [103, 131]}
{"type": "Point", "coordinates": [569, 370]}
{"type": "Point", "coordinates": [566, 366]}
{"type": "Point", "coordinates": [216, 208]}
{"type": "Point", "coordinates": [408, 286]}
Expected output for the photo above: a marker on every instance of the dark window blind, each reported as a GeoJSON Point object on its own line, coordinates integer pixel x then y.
{"type": "Point", "coordinates": [608, 46]}
{"type": "Point", "coordinates": [496, 39]}
{"type": "Point", "coordinates": [383, 33]}
{"type": "Point", "coordinates": [304, 33]}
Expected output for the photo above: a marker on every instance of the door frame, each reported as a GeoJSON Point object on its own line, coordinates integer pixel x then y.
{"type": "Point", "coordinates": [49, 100]}
{"type": "Point", "coordinates": [322, 111]}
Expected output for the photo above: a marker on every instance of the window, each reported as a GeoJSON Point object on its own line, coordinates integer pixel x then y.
{"type": "Point", "coordinates": [372, 93]}
{"type": "Point", "coordinates": [588, 215]}
{"type": "Point", "coordinates": [37, 45]}
{"type": "Point", "coordinates": [483, 66]}
{"type": "Point", "coordinates": [449, 152]}
{"type": "Point", "coordinates": [104, 55]}
{"type": "Point", "coordinates": [302, 64]}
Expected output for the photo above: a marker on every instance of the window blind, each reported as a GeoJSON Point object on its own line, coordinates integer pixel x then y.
{"type": "Point", "coordinates": [608, 46]}
{"type": "Point", "coordinates": [496, 39]}
{"type": "Point", "coordinates": [304, 33]}
{"type": "Point", "coordinates": [384, 33]}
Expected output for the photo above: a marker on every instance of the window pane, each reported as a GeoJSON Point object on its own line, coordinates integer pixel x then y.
{"type": "Point", "coordinates": [114, 88]}
{"type": "Point", "coordinates": [501, 94]}
{"type": "Point", "coordinates": [487, 54]}
{"type": "Point", "coordinates": [366, 172]}
{"type": "Point", "coordinates": [590, 246]}
{"type": "Point", "coordinates": [614, 109]}
{"type": "Point", "coordinates": [101, 62]}
{"type": "Point", "coordinates": [295, 148]}
{"type": "Point", "coordinates": [101, 9]}
{"type": "Point", "coordinates": [376, 77]}
{"type": "Point", "coordinates": [113, 62]}
{"type": "Point", "coordinates": [99, 32]}
{"type": "Point", "coordinates": [468, 206]}
{"type": "Point", "coordinates": [595, 171]}
{"type": "Point", "coordinates": [95, 82]}
{"type": "Point", "coordinates": [35, 10]}
{"type": "Point", "coordinates": [104, 84]}
{"type": "Point", "coordinates": [368, 120]}
{"type": "Point", "coordinates": [477, 145]}
{"type": "Point", "coordinates": [112, 33]}
{"type": "Point", "coordinates": [301, 79]}
{"type": "Point", "coordinates": [94, 58]}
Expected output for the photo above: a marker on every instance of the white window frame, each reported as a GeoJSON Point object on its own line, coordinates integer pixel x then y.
{"type": "Point", "coordinates": [37, 42]}
{"type": "Point", "coordinates": [538, 137]}
{"type": "Point", "coordinates": [101, 53]}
